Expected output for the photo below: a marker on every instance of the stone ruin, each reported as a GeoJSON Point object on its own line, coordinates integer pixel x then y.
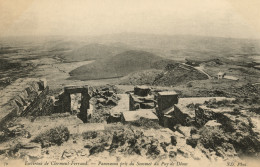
{"type": "Point", "coordinates": [167, 99]}
{"type": "Point", "coordinates": [183, 111]}
{"type": "Point", "coordinates": [162, 105]}
{"type": "Point", "coordinates": [141, 99]}
{"type": "Point", "coordinates": [64, 101]}
{"type": "Point", "coordinates": [25, 97]}
{"type": "Point", "coordinates": [166, 107]}
{"type": "Point", "coordinates": [30, 97]}
{"type": "Point", "coordinates": [203, 114]}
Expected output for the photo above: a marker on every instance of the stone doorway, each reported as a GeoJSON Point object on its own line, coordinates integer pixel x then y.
{"type": "Point", "coordinates": [84, 106]}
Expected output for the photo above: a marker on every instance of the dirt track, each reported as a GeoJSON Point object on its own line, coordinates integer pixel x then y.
{"type": "Point", "coordinates": [200, 69]}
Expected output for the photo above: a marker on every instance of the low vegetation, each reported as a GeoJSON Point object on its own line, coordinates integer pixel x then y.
{"type": "Point", "coordinates": [54, 136]}
{"type": "Point", "coordinates": [146, 123]}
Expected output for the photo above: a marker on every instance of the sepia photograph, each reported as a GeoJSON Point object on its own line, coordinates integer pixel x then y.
{"type": "Point", "coordinates": [125, 83]}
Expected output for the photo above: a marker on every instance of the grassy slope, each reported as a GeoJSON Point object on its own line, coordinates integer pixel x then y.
{"type": "Point", "coordinates": [176, 75]}
{"type": "Point", "coordinates": [179, 75]}
{"type": "Point", "coordinates": [145, 77]}
{"type": "Point", "coordinates": [119, 65]}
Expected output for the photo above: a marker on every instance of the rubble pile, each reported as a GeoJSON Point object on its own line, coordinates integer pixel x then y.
{"type": "Point", "coordinates": [227, 129]}
{"type": "Point", "coordinates": [103, 99]}
{"type": "Point", "coordinates": [241, 134]}
{"type": "Point", "coordinates": [215, 140]}
{"type": "Point", "coordinates": [130, 141]}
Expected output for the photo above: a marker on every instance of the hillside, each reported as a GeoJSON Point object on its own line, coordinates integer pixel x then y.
{"type": "Point", "coordinates": [145, 77]}
{"type": "Point", "coordinates": [179, 75]}
{"type": "Point", "coordinates": [119, 65]}
{"type": "Point", "coordinates": [92, 51]}
{"type": "Point", "coordinates": [174, 74]}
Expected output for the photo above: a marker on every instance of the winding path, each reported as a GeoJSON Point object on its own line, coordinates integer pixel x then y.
{"type": "Point", "coordinates": [200, 69]}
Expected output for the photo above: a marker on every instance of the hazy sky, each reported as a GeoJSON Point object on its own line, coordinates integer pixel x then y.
{"type": "Point", "coordinates": [95, 17]}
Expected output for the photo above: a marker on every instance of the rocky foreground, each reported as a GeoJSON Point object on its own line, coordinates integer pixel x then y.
{"type": "Point", "coordinates": [228, 132]}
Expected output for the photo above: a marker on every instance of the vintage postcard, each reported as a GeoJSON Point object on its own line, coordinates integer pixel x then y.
{"type": "Point", "coordinates": [124, 83]}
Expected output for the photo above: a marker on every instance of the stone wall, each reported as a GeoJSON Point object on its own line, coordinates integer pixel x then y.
{"type": "Point", "coordinates": [24, 97]}
{"type": "Point", "coordinates": [139, 102]}
{"type": "Point", "coordinates": [176, 117]}
{"type": "Point", "coordinates": [41, 105]}
{"type": "Point", "coordinates": [62, 103]}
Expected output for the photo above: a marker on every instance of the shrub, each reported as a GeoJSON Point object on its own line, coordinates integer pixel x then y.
{"type": "Point", "coordinates": [54, 136]}
{"type": "Point", "coordinates": [212, 138]}
{"type": "Point", "coordinates": [90, 135]}
{"type": "Point", "coordinates": [146, 123]}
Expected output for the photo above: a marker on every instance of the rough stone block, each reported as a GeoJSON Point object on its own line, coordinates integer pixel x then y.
{"type": "Point", "coordinates": [167, 99]}
{"type": "Point", "coordinates": [142, 90]}
{"type": "Point", "coordinates": [76, 89]}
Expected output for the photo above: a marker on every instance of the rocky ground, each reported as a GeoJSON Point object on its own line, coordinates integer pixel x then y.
{"type": "Point", "coordinates": [115, 142]}
{"type": "Point", "coordinates": [63, 138]}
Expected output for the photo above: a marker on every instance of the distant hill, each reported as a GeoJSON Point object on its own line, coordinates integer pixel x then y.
{"type": "Point", "coordinates": [179, 47]}
{"type": "Point", "coordinates": [92, 51]}
{"type": "Point", "coordinates": [119, 65]}
{"type": "Point", "coordinates": [65, 46]}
